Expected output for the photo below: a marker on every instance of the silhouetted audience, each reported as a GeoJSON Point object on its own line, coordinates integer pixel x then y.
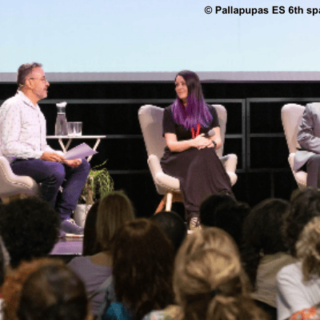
{"type": "Point", "coordinates": [223, 212]}
{"type": "Point", "coordinates": [299, 283]}
{"type": "Point", "coordinates": [29, 229]}
{"type": "Point", "coordinates": [142, 271]}
{"type": "Point", "coordinates": [114, 211]}
{"type": "Point", "coordinates": [126, 272]}
{"type": "Point", "coordinates": [90, 245]}
{"type": "Point", "coordinates": [173, 226]}
{"type": "Point", "coordinates": [2, 275]}
{"type": "Point", "coordinates": [264, 252]}
{"type": "Point", "coordinates": [53, 292]}
{"type": "Point", "coordinates": [2, 265]}
{"type": "Point", "coordinates": [304, 206]}
{"type": "Point", "coordinates": [11, 290]}
{"type": "Point", "coordinates": [209, 282]}
{"type": "Point", "coordinates": [210, 205]}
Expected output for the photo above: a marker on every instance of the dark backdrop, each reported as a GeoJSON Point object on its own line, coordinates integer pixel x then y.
{"type": "Point", "coordinates": [254, 131]}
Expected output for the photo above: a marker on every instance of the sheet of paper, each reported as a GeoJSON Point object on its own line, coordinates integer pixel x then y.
{"type": "Point", "coordinates": [80, 151]}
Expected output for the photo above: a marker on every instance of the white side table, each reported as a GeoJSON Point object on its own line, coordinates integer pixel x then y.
{"type": "Point", "coordinates": [66, 147]}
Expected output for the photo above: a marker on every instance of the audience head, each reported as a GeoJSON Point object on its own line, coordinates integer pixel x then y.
{"type": "Point", "coordinates": [210, 205]}
{"type": "Point", "coordinates": [53, 292]}
{"type": "Point", "coordinates": [29, 229]}
{"type": "Point", "coordinates": [2, 264]}
{"type": "Point", "coordinates": [223, 212]}
{"type": "Point", "coordinates": [308, 248]}
{"type": "Point", "coordinates": [295, 193]}
{"type": "Point", "coordinates": [90, 244]}
{"type": "Point", "coordinates": [142, 267]}
{"type": "Point", "coordinates": [304, 207]}
{"type": "Point", "coordinates": [114, 210]}
{"type": "Point", "coordinates": [209, 282]}
{"type": "Point", "coordinates": [173, 226]}
{"type": "Point", "coordinates": [263, 233]}
{"type": "Point", "coordinates": [11, 290]}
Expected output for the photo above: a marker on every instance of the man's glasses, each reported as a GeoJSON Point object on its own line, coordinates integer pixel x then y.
{"type": "Point", "coordinates": [41, 79]}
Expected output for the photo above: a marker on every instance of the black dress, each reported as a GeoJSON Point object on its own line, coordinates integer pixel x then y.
{"type": "Point", "coordinates": [200, 172]}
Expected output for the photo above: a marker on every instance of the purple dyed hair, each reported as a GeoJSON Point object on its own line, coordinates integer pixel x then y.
{"type": "Point", "coordinates": [196, 110]}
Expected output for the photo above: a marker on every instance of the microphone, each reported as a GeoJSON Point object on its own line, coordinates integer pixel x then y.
{"type": "Point", "coordinates": [210, 133]}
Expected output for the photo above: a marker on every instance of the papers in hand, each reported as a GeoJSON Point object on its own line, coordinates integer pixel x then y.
{"type": "Point", "coordinates": [81, 151]}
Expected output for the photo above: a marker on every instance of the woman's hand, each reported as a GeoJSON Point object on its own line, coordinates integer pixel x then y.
{"type": "Point", "coordinates": [200, 142]}
{"type": "Point", "coordinates": [177, 146]}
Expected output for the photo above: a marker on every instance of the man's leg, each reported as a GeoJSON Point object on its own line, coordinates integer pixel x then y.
{"type": "Point", "coordinates": [72, 187]}
{"type": "Point", "coordinates": [313, 169]}
{"type": "Point", "coordinates": [49, 174]}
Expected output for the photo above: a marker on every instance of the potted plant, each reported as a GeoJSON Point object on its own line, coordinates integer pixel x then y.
{"type": "Point", "coordinates": [99, 183]}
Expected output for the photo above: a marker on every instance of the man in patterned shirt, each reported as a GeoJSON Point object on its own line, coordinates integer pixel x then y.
{"type": "Point", "coordinates": [23, 143]}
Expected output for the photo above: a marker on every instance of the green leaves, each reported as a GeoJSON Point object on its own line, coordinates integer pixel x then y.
{"type": "Point", "coordinates": [98, 185]}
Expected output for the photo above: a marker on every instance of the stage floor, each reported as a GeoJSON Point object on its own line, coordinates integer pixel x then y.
{"type": "Point", "coordinates": [68, 247]}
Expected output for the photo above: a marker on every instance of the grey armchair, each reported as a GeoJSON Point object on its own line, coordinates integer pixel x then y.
{"type": "Point", "coordinates": [150, 118]}
{"type": "Point", "coordinates": [291, 115]}
{"type": "Point", "coordinates": [13, 186]}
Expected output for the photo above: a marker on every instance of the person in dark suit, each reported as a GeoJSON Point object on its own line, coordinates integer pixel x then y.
{"type": "Point", "coordinates": [309, 140]}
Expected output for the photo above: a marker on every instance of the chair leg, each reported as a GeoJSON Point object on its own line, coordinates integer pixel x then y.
{"type": "Point", "coordinates": [169, 201]}
{"type": "Point", "coordinates": [6, 200]}
{"type": "Point", "coordinates": [161, 205]}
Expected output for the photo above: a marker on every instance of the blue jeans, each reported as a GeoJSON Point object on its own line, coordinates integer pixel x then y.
{"type": "Point", "coordinates": [52, 175]}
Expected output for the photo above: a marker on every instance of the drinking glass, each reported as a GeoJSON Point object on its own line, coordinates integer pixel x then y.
{"type": "Point", "coordinates": [74, 129]}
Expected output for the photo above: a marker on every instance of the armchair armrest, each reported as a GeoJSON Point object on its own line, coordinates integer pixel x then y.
{"type": "Point", "coordinates": [162, 181]}
{"type": "Point", "coordinates": [230, 161]}
{"type": "Point", "coordinates": [291, 159]}
{"type": "Point", "coordinates": [300, 176]}
{"type": "Point", "coordinates": [11, 184]}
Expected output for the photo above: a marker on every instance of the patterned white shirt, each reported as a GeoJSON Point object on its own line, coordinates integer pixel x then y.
{"type": "Point", "coordinates": [22, 129]}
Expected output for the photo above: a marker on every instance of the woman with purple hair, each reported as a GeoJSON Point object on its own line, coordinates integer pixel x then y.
{"type": "Point", "coordinates": [190, 152]}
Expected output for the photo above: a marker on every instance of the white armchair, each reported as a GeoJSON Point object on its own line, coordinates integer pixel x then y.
{"type": "Point", "coordinates": [150, 118]}
{"type": "Point", "coordinates": [13, 186]}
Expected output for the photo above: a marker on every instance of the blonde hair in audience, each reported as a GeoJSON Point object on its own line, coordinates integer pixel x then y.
{"type": "Point", "coordinates": [11, 289]}
{"type": "Point", "coordinates": [114, 210]}
{"type": "Point", "coordinates": [308, 248]}
{"type": "Point", "coordinates": [209, 282]}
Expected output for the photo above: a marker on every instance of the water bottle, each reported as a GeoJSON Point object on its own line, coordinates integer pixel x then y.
{"type": "Point", "coordinates": [61, 128]}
